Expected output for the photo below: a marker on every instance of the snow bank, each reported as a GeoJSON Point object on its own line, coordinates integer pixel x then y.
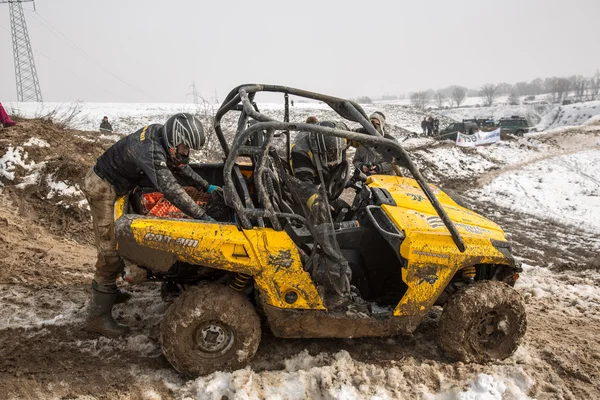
{"type": "Point", "coordinates": [490, 387]}
{"type": "Point", "coordinates": [570, 115]}
{"type": "Point", "coordinates": [304, 376]}
{"type": "Point", "coordinates": [339, 376]}
{"type": "Point", "coordinates": [572, 293]}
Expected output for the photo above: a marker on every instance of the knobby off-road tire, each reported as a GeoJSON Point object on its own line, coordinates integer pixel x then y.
{"type": "Point", "coordinates": [484, 321]}
{"type": "Point", "coordinates": [208, 328]}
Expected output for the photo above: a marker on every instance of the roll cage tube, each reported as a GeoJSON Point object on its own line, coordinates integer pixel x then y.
{"type": "Point", "coordinates": [344, 108]}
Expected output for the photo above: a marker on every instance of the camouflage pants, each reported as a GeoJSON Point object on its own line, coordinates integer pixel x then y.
{"type": "Point", "coordinates": [101, 197]}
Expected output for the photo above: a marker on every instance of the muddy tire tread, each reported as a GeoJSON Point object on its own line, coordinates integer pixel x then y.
{"type": "Point", "coordinates": [207, 302]}
{"type": "Point", "coordinates": [461, 310]}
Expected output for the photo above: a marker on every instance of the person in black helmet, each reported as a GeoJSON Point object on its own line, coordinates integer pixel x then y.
{"type": "Point", "coordinates": [156, 153]}
{"type": "Point", "coordinates": [320, 171]}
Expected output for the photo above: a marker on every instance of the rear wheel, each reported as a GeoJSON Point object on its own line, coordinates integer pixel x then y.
{"type": "Point", "coordinates": [520, 133]}
{"type": "Point", "coordinates": [484, 321]}
{"type": "Point", "coordinates": [210, 327]}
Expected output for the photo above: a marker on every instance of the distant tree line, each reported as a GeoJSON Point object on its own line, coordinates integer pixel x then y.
{"type": "Point", "coordinates": [575, 88]}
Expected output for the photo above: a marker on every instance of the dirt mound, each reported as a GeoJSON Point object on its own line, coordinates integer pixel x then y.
{"type": "Point", "coordinates": [42, 167]}
{"type": "Point", "coordinates": [30, 253]}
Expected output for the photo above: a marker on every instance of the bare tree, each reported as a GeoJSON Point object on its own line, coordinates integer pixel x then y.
{"type": "Point", "coordinates": [558, 88]}
{"type": "Point", "coordinates": [458, 95]}
{"type": "Point", "coordinates": [562, 87]}
{"type": "Point", "coordinates": [439, 98]}
{"type": "Point", "coordinates": [594, 85]}
{"type": "Point", "coordinates": [490, 93]}
{"type": "Point", "coordinates": [513, 99]}
{"type": "Point", "coordinates": [550, 86]}
{"type": "Point", "coordinates": [420, 99]}
{"type": "Point", "coordinates": [537, 85]}
{"type": "Point", "coordinates": [579, 85]}
{"type": "Point", "coordinates": [206, 111]}
{"type": "Point", "coordinates": [504, 88]}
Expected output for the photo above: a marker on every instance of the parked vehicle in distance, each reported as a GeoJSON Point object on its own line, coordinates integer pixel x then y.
{"type": "Point", "coordinates": [515, 125]}
{"type": "Point", "coordinates": [450, 132]}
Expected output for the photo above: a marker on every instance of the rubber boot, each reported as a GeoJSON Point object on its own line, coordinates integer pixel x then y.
{"type": "Point", "coordinates": [100, 319]}
{"type": "Point", "coordinates": [123, 296]}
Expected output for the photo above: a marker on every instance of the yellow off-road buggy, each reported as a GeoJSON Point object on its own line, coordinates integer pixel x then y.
{"type": "Point", "coordinates": [410, 247]}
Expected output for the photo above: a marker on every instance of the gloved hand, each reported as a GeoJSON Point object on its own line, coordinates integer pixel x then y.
{"type": "Point", "coordinates": [369, 169]}
{"type": "Point", "coordinates": [212, 188]}
{"type": "Point", "coordinates": [207, 217]}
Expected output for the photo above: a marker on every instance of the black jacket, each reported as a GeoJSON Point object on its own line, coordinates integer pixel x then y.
{"type": "Point", "coordinates": [106, 126]}
{"type": "Point", "coordinates": [305, 170]}
{"type": "Point", "coordinates": [141, 156]}
{"type": "Point", "coordinates": [365, 155]}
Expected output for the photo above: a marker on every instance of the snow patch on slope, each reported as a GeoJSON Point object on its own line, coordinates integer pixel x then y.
{"type": "Point", "coordinates": [564, 189]}
{"type": "Point", "coordinates": [570, 115]}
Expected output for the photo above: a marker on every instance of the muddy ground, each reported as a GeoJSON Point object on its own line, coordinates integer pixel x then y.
{"type": "Point", "coordinates": [46, 264]}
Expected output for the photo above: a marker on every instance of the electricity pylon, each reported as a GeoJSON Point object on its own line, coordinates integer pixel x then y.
{"type": "Point", "coordinates": [28, 85]}
{"type": "Point", "coordinates": [195, 94]}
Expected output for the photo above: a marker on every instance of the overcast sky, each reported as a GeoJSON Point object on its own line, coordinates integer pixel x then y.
{"type": "Point", "coordinates": [344, 48]}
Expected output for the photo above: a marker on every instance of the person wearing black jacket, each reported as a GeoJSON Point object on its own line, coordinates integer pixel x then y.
{"type": "Point", "coordinates": [156, 153]}
{"type": "Point", "coordinates": [430, 126]}
{"type": "Point", "coordinates": [368, 161]}
{"type": "Point", "coordinates": [105, 125]}
{"type": "Point", "coordinates": [320, 172]}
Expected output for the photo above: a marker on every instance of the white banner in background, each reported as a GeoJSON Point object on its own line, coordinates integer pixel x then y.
{"type": "Point", "coordinates": [488, 137]}
{"type": "Point", "coordinates": [463, 140]}
{"type": "Point", "coordinates": [478, 138]}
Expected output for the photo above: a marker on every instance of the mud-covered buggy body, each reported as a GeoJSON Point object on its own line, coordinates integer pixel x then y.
{"type": "Point", "coordinates": [409, 246]}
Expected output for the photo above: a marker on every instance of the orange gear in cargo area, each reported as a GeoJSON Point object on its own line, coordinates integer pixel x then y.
{"type": "Point", "coordinates": [158, 206]}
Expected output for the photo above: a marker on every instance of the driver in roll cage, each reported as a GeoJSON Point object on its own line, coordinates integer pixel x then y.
{"type": "Point", "coordinates": [321, 170]}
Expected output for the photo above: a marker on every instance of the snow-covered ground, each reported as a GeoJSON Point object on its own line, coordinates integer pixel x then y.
{"type": "Point", "coordinates": [128, 117]}
{"type": "Point", "coordinates": [564, 188]}
{"type": "Point", "coordinates": [573, 114]}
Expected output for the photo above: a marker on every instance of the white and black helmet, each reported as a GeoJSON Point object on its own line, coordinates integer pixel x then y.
{"type": "Point", "coordinates": [183, 128]}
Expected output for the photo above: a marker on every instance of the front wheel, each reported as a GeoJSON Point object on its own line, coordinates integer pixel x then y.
{"type": "Point", "coordinates": [208, 328]}
{"type": "Point", "coordinates": [483, 322]}
{"type": "Point", "coordinates": [520, 133]}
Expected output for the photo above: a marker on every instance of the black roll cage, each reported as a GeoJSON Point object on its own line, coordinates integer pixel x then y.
{"type": "Point", "coordinates": [242, 99]}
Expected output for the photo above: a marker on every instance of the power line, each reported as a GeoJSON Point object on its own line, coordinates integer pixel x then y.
{"type": "Point", "coordinates": [70, 71]}
{"type": "Point", "coordinates": [79, 76]}
{"type": "Point", "coordinates": [55, 31]}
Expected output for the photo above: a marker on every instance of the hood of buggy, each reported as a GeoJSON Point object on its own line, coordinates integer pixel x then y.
{"type": "Point", "coordinates": [414, 213]}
